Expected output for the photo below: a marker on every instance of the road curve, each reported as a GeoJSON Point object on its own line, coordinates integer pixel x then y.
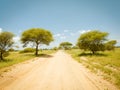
{"type": "Point", "coordinates": [58, 72]}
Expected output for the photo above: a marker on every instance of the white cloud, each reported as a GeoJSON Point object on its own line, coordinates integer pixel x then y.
{"type": "Point", "coordinates": [66, 30]}
{"type": "Point", "coordinates": [0, 29]}
{"type": "Point", "coordinates": [83, 31]}
{"type": "Point", "coordinates": [72, 34]}
{"type": "Point", "coordinates": [57, 35]}
{"type": "Point", "coordinates": [118, 40]}
{"type": "Point", "coordinates": [17, 42]}
{"type": "Point", "coordinates": [60, 35]}
{"type": "Point", "coordinates": [63, 37]}
{"type": "Point", "coordinates": [16, 39]}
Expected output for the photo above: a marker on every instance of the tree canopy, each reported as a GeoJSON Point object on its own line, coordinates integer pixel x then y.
{"type": "Point", "coordinates": [110, 45]}
{"type": "Point", "coordinates": [36, 36]}
{"type": "Point", "coordinates": [65, 45]}
{"type": "Point", "coordinates": [6, 41]}
{"type": "Point", "coordinates": [92, 40]}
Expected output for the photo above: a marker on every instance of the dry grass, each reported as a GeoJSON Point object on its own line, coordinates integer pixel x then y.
{"type": "Point", "coordinates": [105, 63]}
{"type": "Point", "coordinates": [16, 57]}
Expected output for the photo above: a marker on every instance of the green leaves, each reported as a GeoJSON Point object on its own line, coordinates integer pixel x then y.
{"type": "Point", "coordinates": [92, 40]}
{"type": "Point", "coordinates": [65, 45]}
{"type": "Point", "coordinates": [110, 45]}
{"type": "Point", "coordinates": [36, 36]}
{"type": "Point", "coordinates": [6, 41]}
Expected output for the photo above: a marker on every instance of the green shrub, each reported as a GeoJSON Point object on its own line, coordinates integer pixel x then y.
{"type": "Point", "coordinates": [6, 54]}
{"type": "Point", "coordinates": [27, 50]}
{"type": "Point", "coordinates": [11, 50]}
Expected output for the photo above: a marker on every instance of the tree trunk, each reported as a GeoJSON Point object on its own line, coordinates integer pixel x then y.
{"type": "Point", "coordinates": [36, 53]}
{"type": "Point", "coordinates": [1, 56]}
{"type": "Point", "coordinates": [93, 52]}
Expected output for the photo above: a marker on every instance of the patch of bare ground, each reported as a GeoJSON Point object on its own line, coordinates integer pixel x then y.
{"type": "Point", "coordinates": [59, 72]}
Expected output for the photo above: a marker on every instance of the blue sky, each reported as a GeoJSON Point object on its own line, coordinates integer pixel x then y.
{"type": "Point", "coordinates": [66, 19]}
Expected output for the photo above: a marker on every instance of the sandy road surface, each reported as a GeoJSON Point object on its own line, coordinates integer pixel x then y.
{"type": "Point", "coordinates": [59, 72]}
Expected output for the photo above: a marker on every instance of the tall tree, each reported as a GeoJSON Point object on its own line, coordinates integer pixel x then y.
{"type": "Point", "coordinates": [37, 36]}
{"type": "Point", "coordinates": [92, 40]}
{"type": "Point", "coordinates": [65, 45]}
{"type": "Point", "coordinates": [6, 41]}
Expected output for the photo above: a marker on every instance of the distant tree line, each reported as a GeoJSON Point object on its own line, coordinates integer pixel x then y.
{"type": "Point", "coordinates": [93, 41]}
{"type": "Point", "coordinates": [65, 45]}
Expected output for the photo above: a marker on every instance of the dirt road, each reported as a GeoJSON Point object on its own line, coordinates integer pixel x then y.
{"type": "Point", "coordinates": [58, 72]}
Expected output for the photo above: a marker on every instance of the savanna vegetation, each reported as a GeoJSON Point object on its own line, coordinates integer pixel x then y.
{"type": "Point", "coordinates": [98, 54]}
{"type": "Point", "coordinates": [37, 37]}
{"type": "Point", "coordinates": [93, 49]}
{"type": "Point", "coordinates": [106, 64]}
{"type": "Point", "coordinates": [65, 45]}
{"type": "Point", "coordinates": [15, 57]}
{"type": "Point", "coordinates": [95, 41]}
{"type": "Point", "coordinates": [34, 36]}
{"type": "Point", "coordinates": [6, 43]}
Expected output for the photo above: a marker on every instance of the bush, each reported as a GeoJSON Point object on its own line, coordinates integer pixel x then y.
{"type": "Point", "coordinates": [5, 54]}
{"type": "Point", "coordinates": [27, 50]}
{"type": "Point", "coordinates": [11, 50]}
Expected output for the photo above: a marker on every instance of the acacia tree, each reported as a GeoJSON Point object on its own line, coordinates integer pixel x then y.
{"type": "Point", "coordinates": [65, 45]}
{"type": "Point", "coordinates": [110, 45]}
{"type": "Point", "coordinates": [37, 36]}
{"type": "Point", "coordinates": [92, 40]}
{"type": "Point", "coordinates": [6, 41]}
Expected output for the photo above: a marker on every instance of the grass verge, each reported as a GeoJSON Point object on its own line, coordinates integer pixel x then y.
{"type": "Point", "coordinates": [106, 64]}
{"type": "Point", "coordinates": [16, 57]}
